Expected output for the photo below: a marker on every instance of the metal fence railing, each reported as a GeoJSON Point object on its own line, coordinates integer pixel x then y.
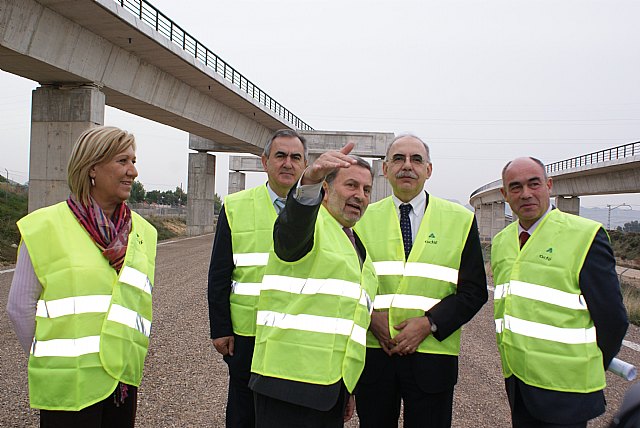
{"type": "Point", "coordinates": [631, 149]}
{"type": "Point", "coordinates": [165, 26]}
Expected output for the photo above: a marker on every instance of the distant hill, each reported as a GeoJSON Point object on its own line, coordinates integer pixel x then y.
{"type": "Point", "coordinates": [619, 216]}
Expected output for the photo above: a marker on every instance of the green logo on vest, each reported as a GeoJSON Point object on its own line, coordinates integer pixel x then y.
{"type": "Point", "coordinates": [431, 235]}
{"type": "Point", "coordinates": [432, 239]}
{"type": "Point", "coordinates": [547, 256]}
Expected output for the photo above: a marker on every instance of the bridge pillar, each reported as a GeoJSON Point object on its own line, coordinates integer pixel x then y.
{"type": "Point", "coordinates": [381, 187]}
{"type": "Point", "coordinates": [58, 117]}
{"type": "Point", "coordinates": [568, 204]}
{"type": "Point", "coordinates": [236, 181]}
{"type": "Point", "coordinates": [202, 186]}
{"type": "Point", "coordinates": [491, 220]}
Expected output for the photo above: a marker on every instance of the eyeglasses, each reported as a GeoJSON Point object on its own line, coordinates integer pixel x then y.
{"type": "Point", "coordinates": [400, 159]}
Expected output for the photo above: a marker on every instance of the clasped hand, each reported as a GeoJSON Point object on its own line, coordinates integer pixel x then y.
{"type": "Point", "coordinates": [412, 332]}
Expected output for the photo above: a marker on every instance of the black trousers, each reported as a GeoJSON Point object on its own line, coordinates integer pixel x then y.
{"type": "Point", "coordinates": [274, 413]}
{"type": "Point", "coordinates": [240, 404]}
{"type": "Point", "coordinates": [391, 380]}
{"type": "Point", "coordinates": [522, 418]}
{"type": "Point", "coordinates": [103, 414]}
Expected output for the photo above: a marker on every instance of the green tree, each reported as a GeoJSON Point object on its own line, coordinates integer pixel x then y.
{"type": "Point", "coordinates": [137, 192]}
{"type": "Point", "coordinates": [153, 196]}
{"type": "Point", "coordinates": [217, 204]}
{"type": "Point", "coordinates": [632, 226]}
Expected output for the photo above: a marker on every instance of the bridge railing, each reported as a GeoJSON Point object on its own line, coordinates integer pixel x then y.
{"type": "Point", "coordinates": [631, 149]}
{"type": "Point", "coordinates": [619, 152]}
{"type": "Point", "coordinates": [165, 26]}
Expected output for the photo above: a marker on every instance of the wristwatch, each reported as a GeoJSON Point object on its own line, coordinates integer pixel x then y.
{"type": "Point", "coordinates": [434, 327]}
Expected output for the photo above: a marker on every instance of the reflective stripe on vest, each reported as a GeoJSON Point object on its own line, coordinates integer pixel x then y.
{"type": "Point", "coordinates": [136, 279]}
{"type": "Point", "coordinates": [314, 323]}
{"type": "Point", "coordinates": [72, 305]}
{"type": "Point", "coordinates": [66, 347]}
{"type": "Point", "coordinates": [404, 301]}
{"type": "Point", "coordinates": [335, 287]}
{"type": "Point", "coordinates": [250, 259]}
{"type": "Point", "coordinates": [130, 318]}
{"type": "Point", "coordinates": [570, 336]}
{"type": "Point", "coordinates": [423, 270]}
{"type": "Point", "coordinates": [542, 294]}
{"type": "Point", "coordinates": [246, 289]}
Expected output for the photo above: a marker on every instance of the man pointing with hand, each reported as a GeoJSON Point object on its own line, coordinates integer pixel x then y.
{"type": "Point", "coordinates": [315, 299]}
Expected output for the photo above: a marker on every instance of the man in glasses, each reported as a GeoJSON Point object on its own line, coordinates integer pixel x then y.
{"type": "Point", "coordinates": [428, 259]}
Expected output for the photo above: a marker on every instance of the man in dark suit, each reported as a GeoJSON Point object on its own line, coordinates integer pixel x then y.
{"type": "Point", "coordinates": [559, 314]}
{"type": "Point", "coordinates": [315, 300]}
{"type": "Point", "coordinates": [432, 280]}
{"type": "Point", "coordinates": [240, 251]}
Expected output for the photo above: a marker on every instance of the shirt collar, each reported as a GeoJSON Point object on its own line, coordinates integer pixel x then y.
{"type": "Point", "coordinates": [272, 194]}
{"type": "Point", "coordinates": [534, 225]}
{"type": "Point", "coordinates": [419, 203]}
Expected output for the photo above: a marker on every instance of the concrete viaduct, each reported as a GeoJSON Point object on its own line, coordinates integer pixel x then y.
{"type": "Point", "coordinates": [126, 54]}
{"type": "Point", "coordinates": [610, 171]}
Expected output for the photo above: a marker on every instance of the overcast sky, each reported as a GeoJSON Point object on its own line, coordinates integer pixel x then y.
{"type": "Point", "coordinates": [481, 81]}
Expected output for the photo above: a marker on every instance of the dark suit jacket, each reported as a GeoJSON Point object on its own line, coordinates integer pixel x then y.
{"type": "Point", "coordinates": [600, 288]}
{"type": "Point", "coordinates": [435, 373]}
{"type": "Point", "coordinates": [292, 240]}
{"type": "Point", "coordinates": [219, 288]}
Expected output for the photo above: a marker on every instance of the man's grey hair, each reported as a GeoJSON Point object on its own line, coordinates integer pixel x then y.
{"type": "Point", "coordinates": [426, 147]}
{"type": "Point", "coordinates": [359, 162]}
{"type": "Point", "coordinates": [536, 160]}
{"type": "Point", "coordinates": [290, 133]}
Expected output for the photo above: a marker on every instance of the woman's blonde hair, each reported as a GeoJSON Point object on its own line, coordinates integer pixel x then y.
{"type": "Point", "coordinates": [94, 146]}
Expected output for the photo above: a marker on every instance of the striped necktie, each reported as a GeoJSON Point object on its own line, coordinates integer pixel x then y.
{"type": "Point", "coordinates": [279, 204]}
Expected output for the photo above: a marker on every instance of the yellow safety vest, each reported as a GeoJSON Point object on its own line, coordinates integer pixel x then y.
{"type": "Point", "coordinates": [544, 331]}
{"type": "Point", "coordinates": [313, 314]}
{"type": "Point", "coordinates": [92, 324]}
{"type": "Point", "coordinates": [251, 216]}
{"type": "Point", "coordinates": [409, 289]}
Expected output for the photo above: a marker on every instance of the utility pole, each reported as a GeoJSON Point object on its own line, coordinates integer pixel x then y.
{"type": "Point", "coordinates": [611, 208]}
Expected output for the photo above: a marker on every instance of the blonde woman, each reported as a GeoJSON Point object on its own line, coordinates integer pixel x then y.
{"type": "Point", "coordinates": [80, 299]}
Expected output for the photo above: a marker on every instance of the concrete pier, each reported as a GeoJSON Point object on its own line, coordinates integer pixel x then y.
{"type": "Point", "coordinates": [202, 185]}
{"type": "Point", "coordinates": [568, 204]}
{"type": "Point", "coordinates": [58, 116]}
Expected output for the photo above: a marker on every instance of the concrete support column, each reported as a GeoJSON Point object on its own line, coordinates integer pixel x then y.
{"type": "Point", "coordinates": [58, 117]}
{"type": "Point", "coordinates": [201, 190]}
{"type": "Point", "coordinates": [568, 204]}
{"type": "Point", "coordinates": [491, 220]}
{"type": "Point", "coordinates": [236, 181]}
{"type": "Point", "coordinates": [381, 186]}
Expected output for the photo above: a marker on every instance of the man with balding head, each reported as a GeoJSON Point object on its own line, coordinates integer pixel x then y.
{"type": "Point", "coordinates": [559, 314]}
{"type": "Point", "coordinates": [428, 259]}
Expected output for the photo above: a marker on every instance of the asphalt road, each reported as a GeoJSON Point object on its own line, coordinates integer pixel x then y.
{"type": "Point", "coordinates": [185, 381]}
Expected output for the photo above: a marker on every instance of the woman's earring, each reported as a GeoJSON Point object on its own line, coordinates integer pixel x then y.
{"type": "Point", "coordinates": [93, 181]}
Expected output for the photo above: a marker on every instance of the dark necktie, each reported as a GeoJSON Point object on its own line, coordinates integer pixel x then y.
{"type": "Point", "coordinates": [279, 204]}
{"type": "Point", "coordinates": [352, 238]}
{"type": "Point", "coordinates": [523, 238]}
{"type": "Point", "coordinates": [405, 228]}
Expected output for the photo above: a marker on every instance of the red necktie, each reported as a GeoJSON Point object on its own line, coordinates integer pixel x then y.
{"type": "Point", "coordinates": [524, 236]}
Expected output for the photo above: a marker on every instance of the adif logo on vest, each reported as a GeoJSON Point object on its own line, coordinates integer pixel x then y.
{"type": "Point", "coordinates": [431, 239]}
{"type": "Point", "coordinates": [547, 255]}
